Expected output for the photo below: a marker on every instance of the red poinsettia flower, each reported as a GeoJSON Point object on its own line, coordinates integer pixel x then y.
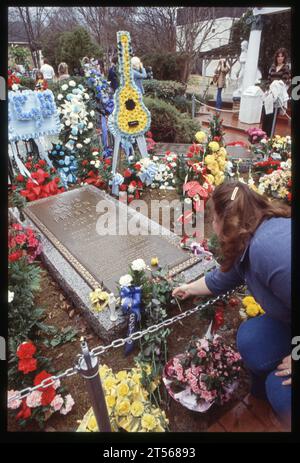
{"type": "Point", "coordinates": [40, 176]}
{"type": "Point", "coordinates": [27, 365]}
{"type": "Point", "coordinates": [193, 188]}
{"type": "Point", "coordinates": [84, 162]}
{"type": "Point", "coordinates": [123, 187]}
{"type": "Point", "coordinates": [25, 411]}
{"type": "Point", "coordinates": [107, 161]}
{"type": "Point", "coordinates": [26, 350]}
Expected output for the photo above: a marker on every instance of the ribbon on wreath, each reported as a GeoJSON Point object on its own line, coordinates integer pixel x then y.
{"type": "Point", "coordinates": [131, 300]}
{"type": "Point", "coordinates": [148, 175]}
{"type": "Point", "coordinates": [117, 180]}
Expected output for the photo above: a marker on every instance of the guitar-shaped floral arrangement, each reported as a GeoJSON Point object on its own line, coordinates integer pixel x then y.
{"type": "Point", "coordinates": [130, 117]}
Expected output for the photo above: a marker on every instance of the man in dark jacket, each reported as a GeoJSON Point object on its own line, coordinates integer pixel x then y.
{"type": "Point", "coordinates": [113, 74]}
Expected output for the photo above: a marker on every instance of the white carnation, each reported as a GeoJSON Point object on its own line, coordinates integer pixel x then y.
{"type": "Point", "coordinates": [79, 145]}
{"type": "Point", "coordinates": [125, 280]}
{"type": "Point", "coordinates": [60, 96]}
{"type": "Point", "coordinates": [72, 83]}
{"type": "Point", "coordinates": [64, 87]}
{"type": "Point", "coordinates": [138, 265]}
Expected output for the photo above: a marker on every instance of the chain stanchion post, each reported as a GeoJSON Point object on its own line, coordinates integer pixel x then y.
{"type": "Point", "coordinates": [193, 106]}
{"type": "Point", "coordinates": [88, 367]}
{"type": "Point", "coordinates": [274, 119]}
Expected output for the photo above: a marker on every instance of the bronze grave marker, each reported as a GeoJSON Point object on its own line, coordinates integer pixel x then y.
{"type": "Point", "coordinates": [69, 221]}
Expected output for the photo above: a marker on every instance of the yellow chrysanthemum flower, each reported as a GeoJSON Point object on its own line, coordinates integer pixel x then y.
{"type": "Point", "coordinates": [219, 179]}
{"type": "Point", "coordinates": [200, 136]}
{"type": "Point", "coordinates": [122, 389]}
{"type": "Point", "coordinates": [92, 424]}
{"type": "Point", "coordinates": [209, 158]}
{"type": "Point", "coordinates": [222, 152]}
{"type": "Point", "coordinates": [252, 310]}
{"type": "Point", "coordinates": [137, 408]}
{"type": "Point", "coordinates": [109, 382]}
{"type": "Point", "coordinates": [248, 300]}
{"type": "Point", "coordinates": [214, 146]}
{"type": "Point", "coordinates": [123, 407]}
{"type": "Point", "coordinates": [121, 375]}
{"type": "Point", "coordinates": [148, 422]}
{"type": "Point", "coordinates": [210, 178]}
{"type": "Point", "coordinates": [110, 400]}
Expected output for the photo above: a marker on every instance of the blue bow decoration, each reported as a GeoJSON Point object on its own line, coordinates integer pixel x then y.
{"type": "Point", "coordinates": [149, 174]}
{"type": "Point", "coordinates": [117, 180]}
{"type": "Point", "coordinates": [131, 300]}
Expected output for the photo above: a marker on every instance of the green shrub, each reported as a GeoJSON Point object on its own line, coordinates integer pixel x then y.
{"type": "Point", "coordinates": [170, 91]}
{"type": "Point", "coordinates": [164, 89]}
{"type": "Point", "coordinates": [168, 124]}
{"type": "Point", "coordinates": [165, 66]}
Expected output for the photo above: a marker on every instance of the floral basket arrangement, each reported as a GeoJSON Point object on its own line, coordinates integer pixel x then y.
{"type": "Point", "coordinates": [128, 404]}
{"type": "Point", "coordinates": [206, 374]}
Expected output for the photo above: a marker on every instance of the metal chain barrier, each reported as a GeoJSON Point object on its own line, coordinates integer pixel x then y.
{"type": "Point", "coordinates": [220, 110]}
{"type": "Point", "coordinates": [96, 351]}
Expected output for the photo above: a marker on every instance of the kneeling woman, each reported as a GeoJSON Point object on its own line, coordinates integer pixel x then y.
{"type": "Point", "coordinates": [255, 240]}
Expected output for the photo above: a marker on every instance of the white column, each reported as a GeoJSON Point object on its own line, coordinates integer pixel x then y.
{"type": "Point", "coordinates": [251, 106]}
{"type": "Point", "coordinates": [252, 59]}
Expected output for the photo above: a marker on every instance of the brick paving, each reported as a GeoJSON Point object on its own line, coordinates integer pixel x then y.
{"type": "Point", "coordinates": [249, 415]}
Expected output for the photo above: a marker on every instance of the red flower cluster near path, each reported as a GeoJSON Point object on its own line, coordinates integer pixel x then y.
{"type": "Point", "coordinates": [25, 353]}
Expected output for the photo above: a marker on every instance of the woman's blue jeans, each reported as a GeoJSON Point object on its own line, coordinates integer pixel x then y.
{"type": "Point", "coordinates": [263, 342]}
{"type": "Point", "coordinates": [219, 98]}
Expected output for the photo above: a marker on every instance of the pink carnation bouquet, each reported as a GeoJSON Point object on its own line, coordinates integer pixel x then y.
{"type": "Point", "coordinates": [205, 374]}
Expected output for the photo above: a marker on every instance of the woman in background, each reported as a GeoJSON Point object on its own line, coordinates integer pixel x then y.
{"type": "Point", "coordinates": [63, 72]}
{"type": "Point", "coordinates": [279, 70]}
{"type": "Point", "coordinates": [139, 73]}
{"type": "Point", "coordinates": [220, 79]}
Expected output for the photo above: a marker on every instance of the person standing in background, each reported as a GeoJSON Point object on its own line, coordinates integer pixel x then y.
{"type": "Point", "coordinates": [113, 74]}
{"type": "Point", "coordinates": [279, 70]}
{"type": "Point", "coordinates": [220, 80]}
{"type": "Point", "coordinates": [40, 83]}
{"type": "Point", "coordinates": [48, 71]}
{"type": "Point", "coordinates": [139, 73]}
{"type": "Point", "coordinates": [63, 72]}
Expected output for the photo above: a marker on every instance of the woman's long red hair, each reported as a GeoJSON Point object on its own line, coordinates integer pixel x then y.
{"type": "Point", "coordinates": [239, 218]}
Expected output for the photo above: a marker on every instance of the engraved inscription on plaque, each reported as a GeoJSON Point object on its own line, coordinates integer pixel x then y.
{"type": "Point", "coordinates": [69, 221]}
